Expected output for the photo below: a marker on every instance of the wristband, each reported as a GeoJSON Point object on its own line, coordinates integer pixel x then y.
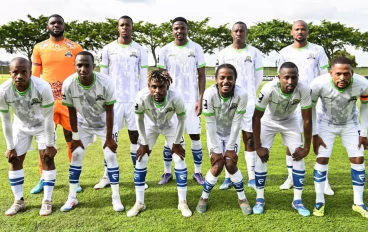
{"type": "Point", "coordinates": [75, 136]}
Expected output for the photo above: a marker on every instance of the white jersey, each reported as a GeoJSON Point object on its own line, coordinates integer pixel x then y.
{"type": "Point", "coordinates": [160, 114]}
{"type": "Point", "coordinates": [182, 63]}
{"type": "Point", "coordinates": [311, 61]}
{"type": "Point", "coordinates": [280, 106]}
{"type": "Point", "coordinates": [27, 106]}
{"type": "Point", "coordinates": [89, 101]}
{"type": "Point", "coordinates": [339, 105]}
{"type": "Point", "coordinates": [224, 116]}
{"type": "Point", "coordinates": [127, 65]}
{"type": "Point", "coordinates": [249, 67]}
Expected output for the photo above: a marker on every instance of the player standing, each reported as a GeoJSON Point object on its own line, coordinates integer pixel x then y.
{"type": "Point", "coordinates": [54, 58]}
{"type": "Point", "coordinates": [154, 110]}
{"type": "Point", "coordinates": [32, 103]}
{"type": "Point", "coordinates": [339, 91]}
{"type": "Point", "coordinates": [184, 60]}
{"type": "Point", "coordinates": [311, 60]}
{"type": "Point", "coordinates": [126, 62]}
{"type": "Point", "coordinates": [224, 105]}
{"type": "Point", "coordinates": [276, 104]}
{"type": "Point", "coordinates": [92, 95]}
{"type": "Point", "coordinates": [248, 63]}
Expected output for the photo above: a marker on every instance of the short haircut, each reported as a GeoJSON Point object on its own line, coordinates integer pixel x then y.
{"type": "Point", "coordinates": [55, 15]}
{"type": "Point", "coordinates": [20, 60]}
{"type": "Point", "coordinates": [161, 76]}
{"type": "Point", "coordinates": [180, 19]}
{"type": "Point", "coordinates": [125, 17]}
{"type": "Point", "coordinates": [86, 53]}
{"type": "Point", "coordinates": [242, 23]}
{"type": "Point", "coordinates": [341, 60]}
{"type": "Point", "coordinates": [301, 21]}
{"type": "Point", "coordinates": [289, 65]}
{"type": "Point", "coordinates": [229, 66]}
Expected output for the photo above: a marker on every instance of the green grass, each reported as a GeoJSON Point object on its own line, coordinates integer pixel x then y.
{"type": "Point", "coordinates": [94, 213]}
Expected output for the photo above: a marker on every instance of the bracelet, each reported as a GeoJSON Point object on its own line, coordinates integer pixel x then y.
{"type": "Point", "coordinates": [75, 136]}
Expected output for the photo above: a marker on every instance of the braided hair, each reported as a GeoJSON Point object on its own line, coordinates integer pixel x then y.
{"type": "Point", "coordinates": [160, 76]}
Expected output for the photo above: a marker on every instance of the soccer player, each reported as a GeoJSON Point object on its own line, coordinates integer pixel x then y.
{"type": "Point", "coordinates": [92, 95]}
{"type": "Point", "coordinates": [339, 91]}
{"type": "Point", "coordinates": [32, 103]}
{"type": "Point", "coordinates": [155, 107]}
{"type": "Point", "coordinates": [248, 63]}
{"type": "Point", "coordinates": [311, 60]}
{"type": "Point", "coordinates": [224, 105]}
{"type": "Point", "coordinates": [184, 60]}
{"type": "Point", "coordinates": [54, 58]}
{"type": "Point", "coordinates": [274, 113]}
{"type": "Point", "coordinates": [126, 62]}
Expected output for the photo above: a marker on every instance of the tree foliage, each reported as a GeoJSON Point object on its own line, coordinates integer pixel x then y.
{"type": "Point", "coordinates": [339, 53]}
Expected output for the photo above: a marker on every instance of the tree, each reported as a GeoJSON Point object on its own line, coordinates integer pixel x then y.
{"type": "Point", "coordinates": [21, 36]}
{"type": "Point", "coordinates": [339, 53]}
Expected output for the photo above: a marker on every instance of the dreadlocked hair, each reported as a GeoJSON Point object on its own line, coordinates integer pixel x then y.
{"type": "Point", "coordinates": [159, 76]}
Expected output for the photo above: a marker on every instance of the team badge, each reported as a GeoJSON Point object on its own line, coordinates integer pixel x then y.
{"type": "Point", "coordinates": [100, 98]}
{"type": "Point", "coordinates": [354, 98]}
{"type": "Point", "coordinates": [35, 101]}
{"type": "Point", "coordinates": [248, 59]}
{"type": "Point", "coordinates": [63, 96]}
{"type": "Point", "coordinates": [68, 54]}
{"type": "Point", "coordinates": [233, 106]}
{"type": "Point", "coordinates": [136, 106]}
{"type": "Point", "coordinates": [295, 101]}
{"type": "Point", "coordinates": [260, 97]}
{"type": "Point", "coordinates": [134, 54]}
{"type": "Point", "coordinates": [191, 54]}
{"type": "Point", "coordinates": [311, 56]}
{"type": "Point", "coordinates": [205, 106]}
{"type": "Point", "coordinates": [169, 109]}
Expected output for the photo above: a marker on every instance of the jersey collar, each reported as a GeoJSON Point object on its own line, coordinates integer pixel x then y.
{"type": "Point", "coordinates": [302, 48]}
{"type": "Point", "coordinates": [25, 91]}
{"type": "Point", "coordinates": [87, 87]}
{"type": "Point", "coordinates": [241, 49]}
{"type": "Point", "coordinates": [159, 104]}
{"type": "Point", "coordinates": [124, 45]}
{"type": "Point", "coordinates": [182, 46]}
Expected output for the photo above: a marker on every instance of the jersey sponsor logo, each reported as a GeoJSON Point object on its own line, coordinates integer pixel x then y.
{"type": "Point", "coordinates": [205, 106]}
{"type": "Point", "coordinates": [35, 101]}
{"type": "Point", "coordinates": [248, 59]}
{"type": "Point", "coordinates": [172, 54]}
{"type": "Point", "coordinates": [100, 98]}
{"type": "Point", "coordinates": [63, 96]}
{"type": "Point", "coordinates": [169, 109]}
{"type": "Point", "coordinates": [354, 98]}
{"type": "Point", "coordinates": [295, 101]}
{"type": "Point", "coordinates": [311, 56]}
{"type": "Point", "coordinates": [68, 54]}
{"type": "Point", "coordinates": [260, 97]}
{"type": "Point", "coordinates": [191, 54]}
{"type": "Point", "coordinates": [134, 54]}
{"type": "Point", "coordinates": [115, 176]}
{"type": "Point", "coordinates": [233, 106]}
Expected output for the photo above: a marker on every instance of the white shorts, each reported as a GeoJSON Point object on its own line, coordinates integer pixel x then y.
{"type": "Point", "coordinates": [289, 129]}
{"type": "Point", "coordinates": [153, 132]}
{"type": "Point", "coordinates": [192, 121]}
{"type": "Point", "coordinates": [223, 143]}
{"type": "Point", "coordinates": [349, 137]}
{"type": "Point", "coordinates": [125, 112]}
{"type": "Point", "coordinates": [247, 119]}
{"type": "Point", "coordinates": [88, 135]}
{"type": "Point", "coordinates": [23, 138]}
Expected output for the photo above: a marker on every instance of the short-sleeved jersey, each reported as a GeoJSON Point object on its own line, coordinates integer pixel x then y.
{"type": "Point", "coordinates": [124, 63]}
{"type": "Point", "coordinates": [310, 60]}
{"type": "Point", "coordinates": [89, 101]}
{"type": "Point", "coordinates": [280, 106]}
{"type": "Point", "coordinates": [338, 105]}
{"type": "Point", "coordinates": [160, 114]}
{"type": "Point", "coordinates": [225, 110]}
{"type": "Point", "coordinates": [182, 63]}
{"type": "Point", "coordinates": [247, 62]}
{"type": "Point", "coordinates": [27, 106]}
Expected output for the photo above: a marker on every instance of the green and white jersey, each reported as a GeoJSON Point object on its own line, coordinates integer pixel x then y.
{"type": "Point", "coordinates": [339, 105]}
{"type": "Point", "coordinates": [89, 101]}
{"type": "Point", "coordinates": [127, 65]}
{"type": "Point", "coordinates": [224, 110]}
{"type": "Point", "coordinates": [280, 106]}
{"type": "Point", "coordinates": [311, 61]}
{"type": "Point", "coordinates": [249, 67]}
{"type": "Point", "coordinates": [28, 105]}
{"type": "Point", "coordinates": [182, 63]}
{"type": "Point", "coordinates": [160, 114]}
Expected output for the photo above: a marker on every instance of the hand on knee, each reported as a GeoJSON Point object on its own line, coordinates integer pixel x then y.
{"type": "Point", "coordinates": [217, 162]}
{"type": "Point", "coordinates": [143, 162]}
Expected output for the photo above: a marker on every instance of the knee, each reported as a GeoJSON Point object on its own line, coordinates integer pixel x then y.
{"type": "Point", "coordinates": [78, 155]}
{"type": "Point", "coordinates": [250, 142]}
{"type": "Point", "coordinates": [109, 155]}
{"type": "Point", "coordinates": [16, 164]}
{"type": "Point", "coordinates": [217, 162]}
{"type": "Point", "coordinates": [48, 162]}
{"type": "Point", "coordinates": [231, 161]}
{"type": "Point", "coordinates": [179, 163]}
{"type": "Point", "coordinates": [133, 136]}
{"type": "Point", "coordinates": [357, 160]}
{"type": "Point", "coordinates": [322, 160]}
{"type": "Point", "coordinates": [143, 162]}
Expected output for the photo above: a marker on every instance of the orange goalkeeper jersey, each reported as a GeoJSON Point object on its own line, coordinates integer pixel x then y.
{"type": "Point", "coordinates": [55, 60]}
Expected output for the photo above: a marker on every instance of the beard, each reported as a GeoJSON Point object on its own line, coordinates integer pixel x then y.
{"type": "Point", "coordinates": [301, 40]}
{"type": "Point", "coordinates": [57, 35]}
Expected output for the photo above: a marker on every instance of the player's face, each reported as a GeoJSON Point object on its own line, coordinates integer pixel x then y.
{"type": "Point", "coordinates": [84, 67]}
{"type": "Point", "coordinates": [180, 31]}
{"type": "Point", "coordinates": [20, 72]}
{"type": "Point", "coordinates": [288, 79]}
{"type": "Point", "coordinates": [55, 26]}
{"type": "Point", "coordinates": [225, 81]}
{"type": "Point", "coordinates": [125, 28]}
{"type": "Point", "coordinates": [239, 33]}
{"type": "Point", "coordinates": [299, 31]}
{"type": "Point", "coordinates": [158, 90]}
{"type": "Point", "coordinates": [341, 75]}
